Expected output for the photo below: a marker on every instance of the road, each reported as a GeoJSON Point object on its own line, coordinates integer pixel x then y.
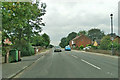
{"type": "Point", "coordinates": [72, 64]}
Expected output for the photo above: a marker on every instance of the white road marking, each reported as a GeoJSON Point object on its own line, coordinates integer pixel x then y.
{"type": "Point", "coordinates": [91, 64]}
{"type": "Point", "coordinates": [74, 56]}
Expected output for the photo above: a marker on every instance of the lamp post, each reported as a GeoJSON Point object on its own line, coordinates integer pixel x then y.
{"type": "Point", "coordinates": [111, 15]}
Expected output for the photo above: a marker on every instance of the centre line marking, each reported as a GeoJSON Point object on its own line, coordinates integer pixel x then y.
{"type": "Point", "coordinates": [91, 64]}
{"type": "Point", "coordinates": [74, 56]}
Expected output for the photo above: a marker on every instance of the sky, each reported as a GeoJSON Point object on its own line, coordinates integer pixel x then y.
{"type": "Point", "coordinates": [66, 16]}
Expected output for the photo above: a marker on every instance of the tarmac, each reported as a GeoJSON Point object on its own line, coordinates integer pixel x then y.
{"type": "Point", "coordinates": [9, 70]}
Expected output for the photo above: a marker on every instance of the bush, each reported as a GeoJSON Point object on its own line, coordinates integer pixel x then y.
{"type": "Point", "coordinates": [77, 47]}
{"type": "Point", "coordinates": [89, 45]}
{"type": "Point", "coordinates": [94, 47]}
{"type": "Point", "coordinates": [81, 47]}
{"type": "Point", "coordinates": [74, 47]}
{"type": "Point", "coordinates": [25, 48]}
{"type": "Point", "coordinates": [105, 43]}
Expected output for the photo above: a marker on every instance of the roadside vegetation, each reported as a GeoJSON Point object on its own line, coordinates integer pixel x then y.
{"type": "Point", "coordinates": [105, 43]}
{"type": "Point", "coordinates": [22, 25]}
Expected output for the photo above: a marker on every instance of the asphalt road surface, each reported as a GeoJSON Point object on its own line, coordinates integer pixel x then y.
{"type": "Point", "coordinates": [72, 64]}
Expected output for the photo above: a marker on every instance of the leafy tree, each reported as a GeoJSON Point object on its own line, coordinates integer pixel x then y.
{"type": "Point", "coordinates": [82, 32]}
{"type": "Point", "coordinates": [105, 43]}
{"type": "Point", "coordinates": [40, 40]}
{"type": "Point", "coordinates": [114, 35]}
{"type": "Point", "coordinates": [95, 34]}
{"type": "Point", "coordinates": [71, 36]}
{"type": "Point", "coordinates": [63, 42]}
{"type": "Point", "coordinates": [50, 46]}
{"type": "Point", "coordinates": [37, 40]}
{"type": "Point", "coordinates": [18, 18]}
{"type": "Point", "coordinates": [21, 20]}
{"type": "Point", "coordinates": [46, 40]}
{"type": "Point", "coordinates": [116, 44]}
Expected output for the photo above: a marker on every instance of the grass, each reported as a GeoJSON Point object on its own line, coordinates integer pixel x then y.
{"type": "Point", "coordinates": [108, 52]}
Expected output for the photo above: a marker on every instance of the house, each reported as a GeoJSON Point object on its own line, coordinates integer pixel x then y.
{"type": "Point", "coordinates": [80, 40]}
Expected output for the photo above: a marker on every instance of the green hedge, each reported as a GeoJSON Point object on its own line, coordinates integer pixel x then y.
{"type": "Point", "coordinates": [81, 47]}
{"type": "Point", "coordinates": [25, 48]}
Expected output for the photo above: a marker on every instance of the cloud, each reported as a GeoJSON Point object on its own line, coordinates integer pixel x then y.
{"type": "Point", "coordinates": [65, 16]}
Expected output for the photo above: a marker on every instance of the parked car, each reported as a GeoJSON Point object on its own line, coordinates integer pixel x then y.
{"type": "Point", "coordinates": [67, 48]}
{"type": "Point", "coordinates": [57, 49]}
{"type": "Point", "coordinates": [87, 48]}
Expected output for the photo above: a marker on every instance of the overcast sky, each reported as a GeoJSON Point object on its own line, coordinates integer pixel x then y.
{"type": "Point", "coordinates": [66, 16]}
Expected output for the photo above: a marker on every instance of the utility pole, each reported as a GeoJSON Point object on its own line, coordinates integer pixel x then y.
{"type": "Point", "coordinates": [111, 15]}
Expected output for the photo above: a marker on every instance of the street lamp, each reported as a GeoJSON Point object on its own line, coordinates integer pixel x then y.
{"type": "Point", "coordinates": [111, 15]}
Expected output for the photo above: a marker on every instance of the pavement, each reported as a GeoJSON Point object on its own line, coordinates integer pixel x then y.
{"type": "Point", "coordinates": [10, 70]}
{"type": "Point", "coordinates": [66, 64]}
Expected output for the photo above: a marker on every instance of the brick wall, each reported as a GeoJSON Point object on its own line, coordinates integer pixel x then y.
{"type": "Point", "coordinates": [82, 40]}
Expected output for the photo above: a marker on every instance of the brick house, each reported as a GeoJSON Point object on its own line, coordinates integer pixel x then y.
{"type": "Point", "coordinates": [80, 40]}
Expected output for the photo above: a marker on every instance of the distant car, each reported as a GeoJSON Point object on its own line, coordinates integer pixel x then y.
{"type": "Point", "coordinates": [87, 48]}
{"type": "Point", "coordinates": [67, 48]}
{"type": "Point", "coordinates": [57, 49]}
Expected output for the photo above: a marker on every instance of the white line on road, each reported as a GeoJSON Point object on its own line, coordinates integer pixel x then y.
{"type": "Point", "coordinates": [91, 64]}
{"type": "Point", "coordinates": [74, 56]}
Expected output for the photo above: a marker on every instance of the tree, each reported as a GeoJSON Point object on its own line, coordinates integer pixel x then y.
{"type": "Point", "coordinates": [46, 40]}
{"type": "Point", "coordinates": [114, 35]}
{"type": "Point", "coordinates": [71, 36]}
{"type": "Point", "coordinates": [82, 32]}
{"type": "Point", "coordinates": [116, 44]}
{"type": "Point", "coordinates": [95, 34]}
{"type": "Point", "coordinates": [21, 20]}
{"type": "Point", "coordinates": [63, 42]}
{"type": "Point", "coordinates": [105, 43]}
{"type": "Point", "coordinates": [37, 40]}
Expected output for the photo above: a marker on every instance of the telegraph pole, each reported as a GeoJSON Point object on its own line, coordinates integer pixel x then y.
{"type": "Point", "coordinates": [111, 15]}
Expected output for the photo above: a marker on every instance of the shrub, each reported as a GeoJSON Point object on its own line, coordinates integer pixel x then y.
{"type": "Point", "coordinates": [77, 47]}
{"type": "Point", "coordinates": [94, 47]}
{"type": "Point", "coordinates": [105, 43]}
{"type": "Point", "coordinates": [74, 47]}
{"type": "Point", "coordinates": [25, 48]}
{"type": "Point", "coordinates": [89, 45]}
{"type": "Point", "coordinates": [81, 47]}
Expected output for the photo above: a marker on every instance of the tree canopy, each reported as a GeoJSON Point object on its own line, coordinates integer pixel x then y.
{"type": "Point", "coordinates": [65, 40]}
{"type": "Point", "coordinates": [21, 19]}
{"type": "Point", "coordinates": [82, 32]}
{"type": "Point", "coordinates": [95, 34]}
{"type": "Point", "coordinates": [22, 23]}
